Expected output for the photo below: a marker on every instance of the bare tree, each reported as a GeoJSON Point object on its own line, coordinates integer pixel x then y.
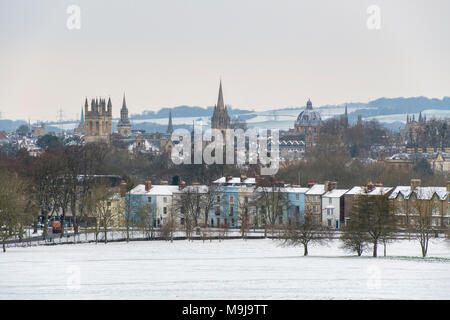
{"type": "Point", "coordinates": [273, 201]}
{"type": "Point", "coordinates": [421, 219]}
{"type": "Point", "coordinates": [105, 211]}
{"type": "Point", "coordinates": [304, 232]}
{"type": "Point", "coordinates": [12, 207]}
{"type": "Point", "coordinates": [354, 240]}
{"type": "Point", "coordinates": [144, 219]}
{"type": "Point", "coordinates": [246, 206]}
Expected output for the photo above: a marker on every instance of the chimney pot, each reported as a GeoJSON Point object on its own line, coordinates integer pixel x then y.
{"type": "Point", "coordinates": [148, 185]}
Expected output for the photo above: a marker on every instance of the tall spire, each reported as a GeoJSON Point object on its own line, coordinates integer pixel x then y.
{"type": "Point", "coordinates": [124, 103]}
{"type": "Point", "coordinates": [82, 114]}
{"type": "Point", "coordinates": [220, 103]}
{"type": "Point", "coordinates": [170, 127]}
{"type": "Point", "coordinates": [220, 118]}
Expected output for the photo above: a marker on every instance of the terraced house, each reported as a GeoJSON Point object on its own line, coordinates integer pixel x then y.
{"type": "Point", "coordinates": [411, 200]}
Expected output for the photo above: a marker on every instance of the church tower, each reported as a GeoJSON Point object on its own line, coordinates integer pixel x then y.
{"type": "Point", "coordinates": [124, 125]}
{"type": "Point", "coordinates": [220, 118]}
{"type": "Point", "coordinates": [98, 121]}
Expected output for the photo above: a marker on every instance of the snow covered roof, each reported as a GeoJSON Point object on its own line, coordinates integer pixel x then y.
{"type": "Point", "coordinates": [235, 180]}
{"type": "Point", "coordinates": [335, 193]}
{"type": "Point", "coordinates": [156, 190]}
{"type": "Point", "coordinates": [422, 193]}
{"type": "Point", "coordinates": [362, 190]}
{"type": "Point", "coordinates": [317, 189]}
{"type": "Point", "coordinates": [193, 189]}
{"type": "Point", "coordinates": [283, 189]}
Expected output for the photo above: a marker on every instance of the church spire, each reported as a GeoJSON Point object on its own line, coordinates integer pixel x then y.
{"type": "Point", "coordinates": [220, 103]}
{"type": "Point", "coordinates": [220, 118]}
{"type": "Point", "coordinates": [124, 103]}
{"type": "Point", "coordinates": [170, 126]}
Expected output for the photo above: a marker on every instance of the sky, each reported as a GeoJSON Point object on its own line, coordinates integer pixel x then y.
{"type": "Point", "coordinates": [268, 53]}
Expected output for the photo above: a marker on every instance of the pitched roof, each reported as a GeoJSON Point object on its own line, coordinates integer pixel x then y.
{"type": "Point", "coordinates": [157, 190]}
{"type": "Point", "coordinates": [335, 193]}
{"type": "Point", "coordinates": [317, 189]}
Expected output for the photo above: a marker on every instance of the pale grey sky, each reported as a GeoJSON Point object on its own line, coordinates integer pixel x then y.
{"type": "Point", "coordinates": [269, 53]}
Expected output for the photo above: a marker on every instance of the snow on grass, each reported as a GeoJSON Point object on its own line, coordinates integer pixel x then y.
{"type": "Point", "coordinates": [231, 269]}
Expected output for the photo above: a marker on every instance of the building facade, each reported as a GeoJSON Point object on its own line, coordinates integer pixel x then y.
{"type": "Point", "coordinates": [98, 121]}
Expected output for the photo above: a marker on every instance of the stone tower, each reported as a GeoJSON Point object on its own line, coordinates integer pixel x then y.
{"type": "Point", "coordinates": [98, 121]}
{"type": "Point", "coordinates": [220, 118]}
{"type": "Point", "coordinates": [124, 125]}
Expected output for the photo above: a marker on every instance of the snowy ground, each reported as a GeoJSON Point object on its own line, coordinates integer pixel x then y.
{"type": "Point", "coordinates": [231, 269]}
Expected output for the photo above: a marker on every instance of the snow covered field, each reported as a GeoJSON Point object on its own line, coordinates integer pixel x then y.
{"type": "Point", "coordinates": [231, 269]}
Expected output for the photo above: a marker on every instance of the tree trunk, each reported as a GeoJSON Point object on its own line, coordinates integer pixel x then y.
{"type": "Point", "coordinates": [384, 244]}
{"type": "Point", "coordinates": [4, 245]}
{"type": "Point", "coordinates": [45, 231]}
{"type": "Point", "coordinates": [375, 247]}
{"type": "Point", "coordinates": [63, 222]}
{"type": "Point", "coordinates": [305, 249]}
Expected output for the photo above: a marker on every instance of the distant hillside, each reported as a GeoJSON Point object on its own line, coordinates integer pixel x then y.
{"type": "Point", "coordinates": [184, 111]}
{"type": "Point", "coordinates": [10, 125]}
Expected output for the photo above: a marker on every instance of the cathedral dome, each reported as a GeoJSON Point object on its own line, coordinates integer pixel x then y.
{"type": "Point", "coordinates": [309, 116]}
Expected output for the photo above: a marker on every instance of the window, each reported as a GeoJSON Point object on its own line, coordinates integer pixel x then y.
{"type": "Point", "coordinates": [231, 210]}
{"type": "Point", "coordinates": [217, 211]}
{"type": "Point", "coordinates": [280, 220]}
{"type": "Point", "coordinates": [231, 198]}
{"type": "Point", "coordinates": [329, 223]}
{"type": "Point", "coordinates": [297, 196]}
{"type": "Point", "coordinates": [165, 199]}
{"type": "Point", "coordinates": [329, 200]}
{"type": "Point", "coordinates": [109, 204]}
{"type": "Point", "coordinates": [182, 221]}
{"type": "Point", "coordinates": [165, 210]}
{"type": "Point", "coordinates": [246, 199]}
{"type": "Point", "coordinates": [149, 199]}
{"type": "Point", "coordinates": [218, 198]}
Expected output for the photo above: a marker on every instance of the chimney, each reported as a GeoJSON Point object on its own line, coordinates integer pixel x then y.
{"type": "Point", "coordinates": [448, 186]}
{"type": "Point", "coordinates": [228, 178]}
{"type": "Point", "coordinates": [182, 185]}
{"type": "Point", "coordinates": [123, 189]}
{"type": "Point", "coordinates": [243, 177]}
{"type": "Point", "coordinates": [370, 186]}
{"type": "Point", "coordinates": [195, 183]}
{"type": "Point", "coordinates": [164, 182]}
{"type": "Point", "coordinates": [311, 183]}
{"type": "Point", "coordinates": [378, 184]}
{"type": "Point", "coordinates": [148, 185]}
{"type": "Point", "coordinates": [415, 183]}
{"type": "Point", "coordinates": [332, 185]}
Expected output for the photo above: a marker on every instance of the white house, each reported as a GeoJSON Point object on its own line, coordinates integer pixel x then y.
{"type": "Point", "coordinates": [333, 208]}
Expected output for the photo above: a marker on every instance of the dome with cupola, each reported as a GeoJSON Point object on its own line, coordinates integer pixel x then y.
{"type": "Point", "coordinates": [309, 116]}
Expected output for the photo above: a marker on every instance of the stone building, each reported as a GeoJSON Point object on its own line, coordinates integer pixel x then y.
{"type": "Point", "coordinates": [98, 121]}
{"type": "Point", "coordinates": [309, 123]}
